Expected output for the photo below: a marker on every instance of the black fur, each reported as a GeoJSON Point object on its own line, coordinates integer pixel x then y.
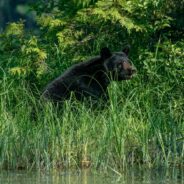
{"type": "Point", "coordinates": [91, 78]}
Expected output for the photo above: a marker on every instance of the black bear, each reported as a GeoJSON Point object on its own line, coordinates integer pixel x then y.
{"type": "Point", "coordinates": [91, 78]}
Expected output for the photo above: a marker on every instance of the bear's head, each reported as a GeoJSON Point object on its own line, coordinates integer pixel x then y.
{"type": "Point", "coordinates": [117, 64]}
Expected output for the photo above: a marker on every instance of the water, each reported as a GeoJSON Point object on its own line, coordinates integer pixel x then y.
{"type": "Point", "coordinates": [133, 176]}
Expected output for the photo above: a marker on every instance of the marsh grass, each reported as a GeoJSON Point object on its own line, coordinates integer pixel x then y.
{"type": "Point", "coordinates": [139, 126]}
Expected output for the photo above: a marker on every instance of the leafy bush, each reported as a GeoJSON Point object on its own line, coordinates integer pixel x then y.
{"type": "Point", "coordinates": [71, 31]}
{"type": "Point", "coordinates": [28, 59]}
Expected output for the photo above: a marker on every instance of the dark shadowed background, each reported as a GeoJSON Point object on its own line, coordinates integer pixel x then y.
{"type": "Point", "coordinates": [14, 10]}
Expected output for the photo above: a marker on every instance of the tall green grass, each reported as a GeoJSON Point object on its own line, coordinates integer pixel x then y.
{"type": "Point", "coordinates": [142, 124]}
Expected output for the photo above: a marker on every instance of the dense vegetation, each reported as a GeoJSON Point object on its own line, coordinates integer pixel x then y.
{"type": "Point", "coordinates": [143, 124]}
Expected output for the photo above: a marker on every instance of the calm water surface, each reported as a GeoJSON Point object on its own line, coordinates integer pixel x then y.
{"type": "Point", "coordinates": [133, 176]}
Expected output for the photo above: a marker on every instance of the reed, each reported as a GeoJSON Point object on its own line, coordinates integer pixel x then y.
{"type": "Point", "coordinates": [138, 126]}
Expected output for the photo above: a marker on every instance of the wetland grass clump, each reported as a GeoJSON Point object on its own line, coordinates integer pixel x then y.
{"type": "Point", "coordinates": [139, 126]}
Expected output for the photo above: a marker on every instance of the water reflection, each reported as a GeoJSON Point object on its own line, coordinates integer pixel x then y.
{"type": "Point", "coordinates": [133, 176]}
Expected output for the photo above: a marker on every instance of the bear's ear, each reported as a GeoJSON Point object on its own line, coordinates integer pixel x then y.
{"type": "Point", "coordinates": [126, 50]}
{"type": "Point", "coordinates": [105, 53]}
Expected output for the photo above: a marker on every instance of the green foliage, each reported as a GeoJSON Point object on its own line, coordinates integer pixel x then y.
{"type": "Point", "coordinates": [90, 25]}
{"type": "Point", "coordinates": [166, 62]}
{"type": "Point", "coordinates": [78, 29]}
{"type": "Point", "coordinates": [28, 57]}
{"type": "Point", "coordinates": [144, 120]}
{"type": "Point", "coordinates": [130, 16]}
{"type": "Point", "coordinates": [34, 56]}
{"type": "Point", "coordinates": [11, 38]}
